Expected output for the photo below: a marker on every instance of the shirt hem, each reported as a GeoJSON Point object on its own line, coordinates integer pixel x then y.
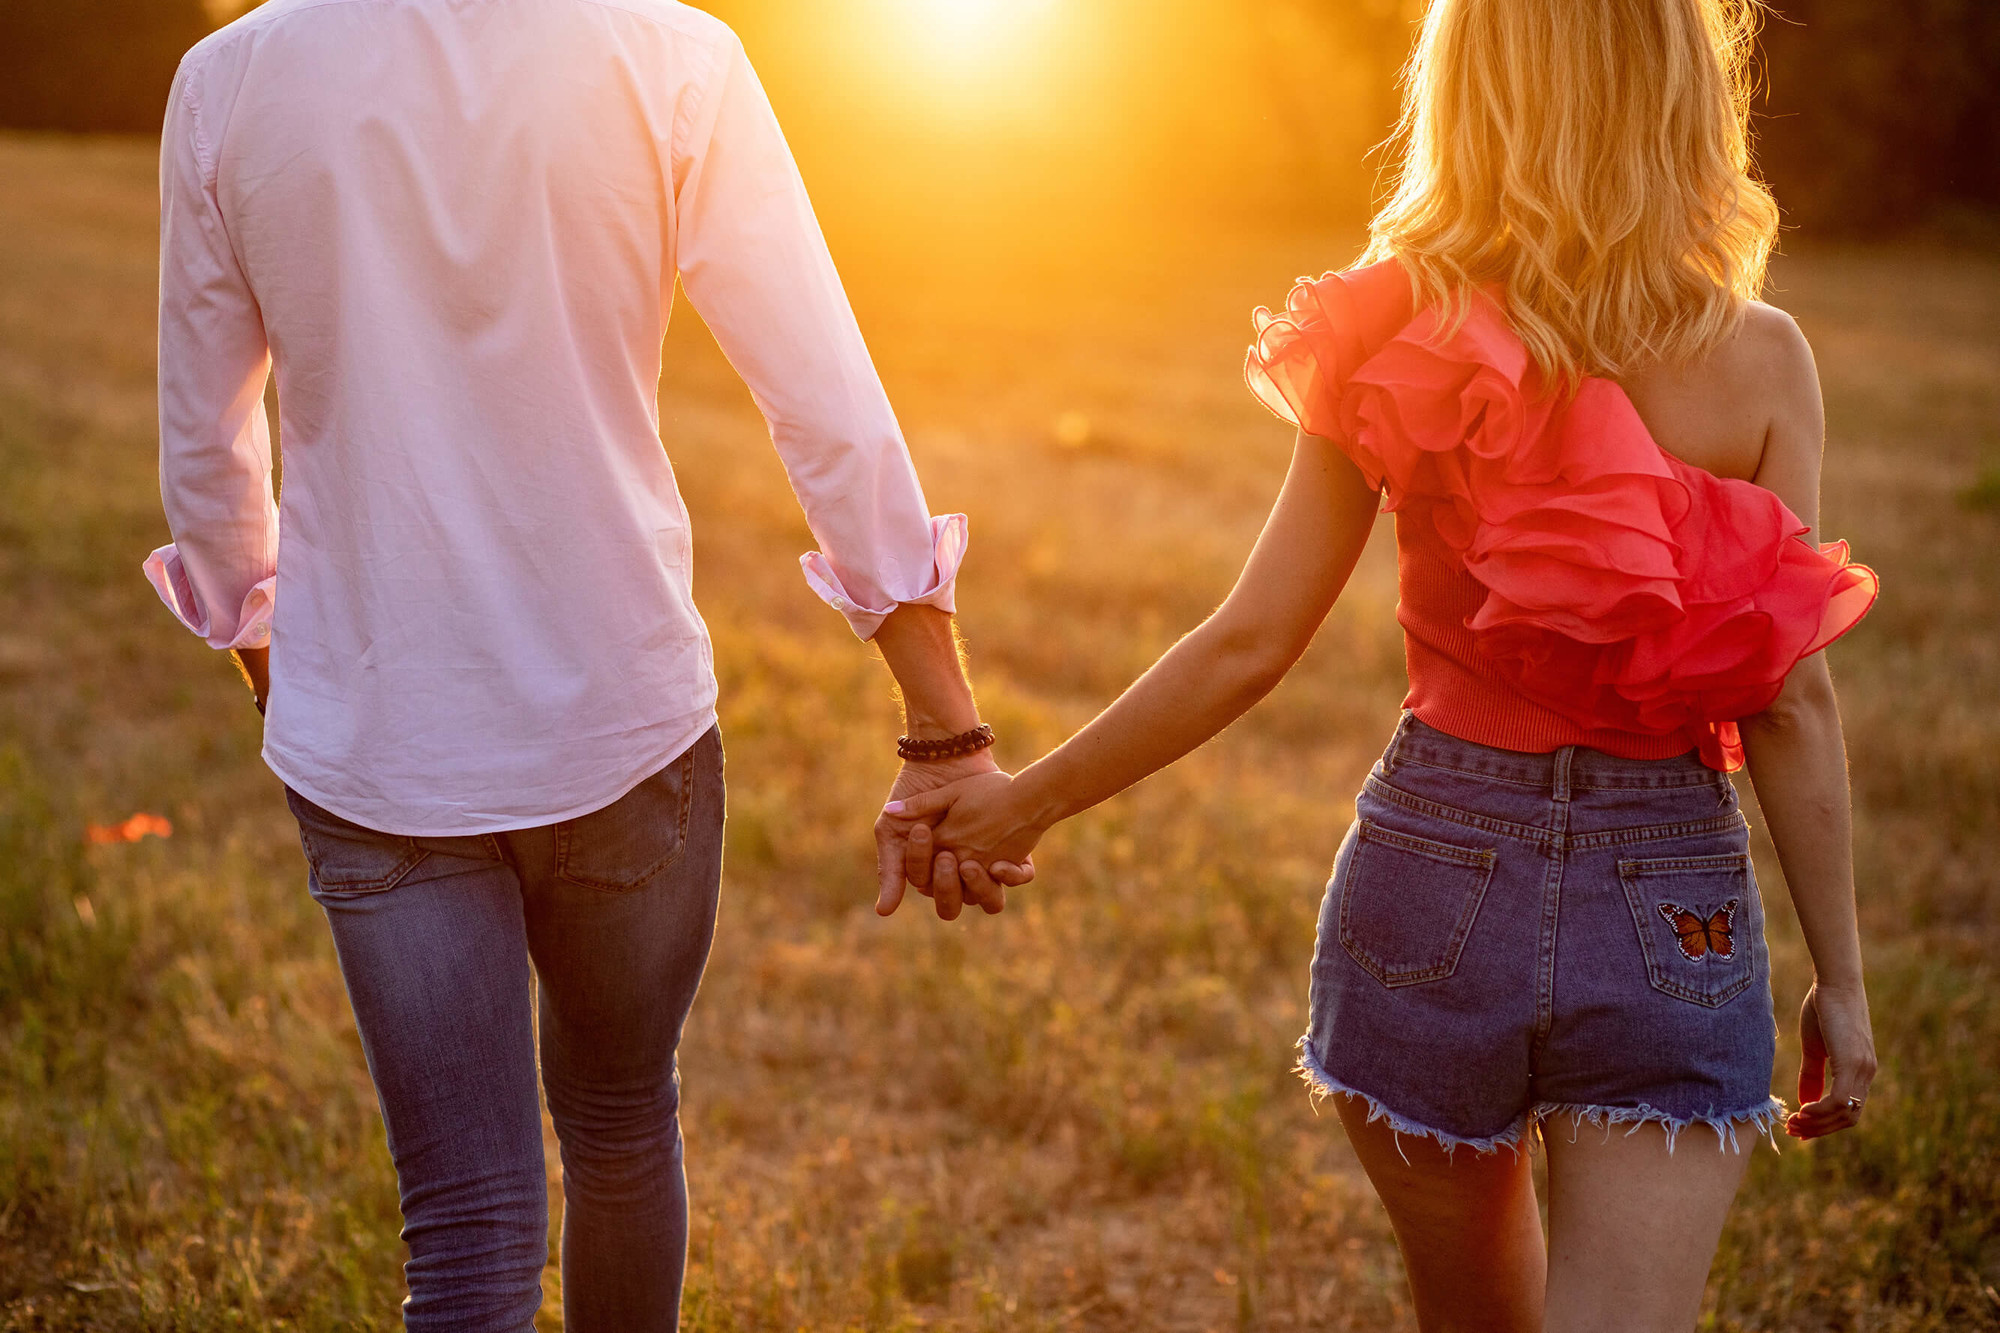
{"type": "Point", "coordinates": [686, 736]}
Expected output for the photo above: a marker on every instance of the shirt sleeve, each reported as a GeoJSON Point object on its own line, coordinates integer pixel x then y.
{"type": "Point", "coordinates": [219, 574]}
{"type": "Point", "coordinates": [754, 263]}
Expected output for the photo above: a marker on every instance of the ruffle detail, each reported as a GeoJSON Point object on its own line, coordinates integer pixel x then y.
{"type": "Point", "coordinates": [1625, 589]}
{"type": "Point", "coordinates": [169, 577]}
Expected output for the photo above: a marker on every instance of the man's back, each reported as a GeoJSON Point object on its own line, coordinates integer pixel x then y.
{"type": "Point", "coordinates": [458, 226]}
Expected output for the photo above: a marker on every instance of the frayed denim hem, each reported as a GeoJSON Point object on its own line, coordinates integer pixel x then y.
{"type": "Point", "coordinates": [1324, 1084]}
{"type": "Point", "coordinates": [1762, 1119]}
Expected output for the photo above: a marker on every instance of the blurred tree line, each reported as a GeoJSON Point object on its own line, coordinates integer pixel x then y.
{"type": "Point", "coordinates": [93, 65]}
{"type": "Point", "coordinates": [1879, 115]}
{"type": "Point", "coordinates": [1872, 117]}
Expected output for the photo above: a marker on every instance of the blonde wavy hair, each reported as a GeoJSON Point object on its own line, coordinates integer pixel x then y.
{"type": "Point", "coordinates": [1592, 158]}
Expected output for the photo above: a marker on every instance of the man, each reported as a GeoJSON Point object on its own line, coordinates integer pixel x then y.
{"type": "Point", "coordinates": [455, 229]}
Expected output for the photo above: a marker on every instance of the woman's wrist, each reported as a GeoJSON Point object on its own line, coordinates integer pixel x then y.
{"type": "Point", "coordinates": [1040, 797]}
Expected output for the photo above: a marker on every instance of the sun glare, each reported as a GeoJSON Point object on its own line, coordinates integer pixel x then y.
{"type": "Point", "coordinates": [968, 62]}
{"type": "Point", "coordinates": [959, 19]}
{"type": "Point", "coordinates": [971, 30]}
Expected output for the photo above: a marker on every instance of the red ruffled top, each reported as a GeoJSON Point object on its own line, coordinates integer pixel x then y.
{"type": "Point", "coordinates": [1563, 579]}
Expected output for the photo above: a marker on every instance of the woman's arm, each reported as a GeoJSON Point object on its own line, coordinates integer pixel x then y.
{"type": "Point", "coordinates": [1798, 764]}
{"type": "Point", "coordinates": [1302, 560]}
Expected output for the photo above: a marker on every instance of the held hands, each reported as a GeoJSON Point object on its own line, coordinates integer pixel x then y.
{"type": "Point", "coordinates": [1833, 1032]}
{"type": "Point", "coordinates": [905, 849]}
{"type": "Point", "coordinates": [962, 841]}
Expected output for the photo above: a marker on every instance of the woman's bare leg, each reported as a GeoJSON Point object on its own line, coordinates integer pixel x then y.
{"type": "Point", "coordinates": [1466, 1222]}
{"type": "Point", "coordinates": [1633, 1228]}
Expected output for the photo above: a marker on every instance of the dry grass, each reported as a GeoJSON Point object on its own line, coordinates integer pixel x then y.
{"type": "Point", "coordinates": [1077, 1115]}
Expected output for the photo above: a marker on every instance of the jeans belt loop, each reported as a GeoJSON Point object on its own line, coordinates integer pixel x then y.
{"type": "Point", "coordinates": [1395, 753]}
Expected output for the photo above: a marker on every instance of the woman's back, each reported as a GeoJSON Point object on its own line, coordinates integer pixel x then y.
{"type": "Point", "coordinates": [1749, 409]}
{"type": "Point", "coordinates": [1567, 576]}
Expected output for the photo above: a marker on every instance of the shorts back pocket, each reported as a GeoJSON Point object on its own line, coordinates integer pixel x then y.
{"type": "Point", "coordinates": [1407, 903]}
{"type": "Point", "coordinates": [1698, 925]}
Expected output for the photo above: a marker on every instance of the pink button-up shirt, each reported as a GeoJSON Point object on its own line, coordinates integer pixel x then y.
{"type": "Point", "coordinates": [454, 226]}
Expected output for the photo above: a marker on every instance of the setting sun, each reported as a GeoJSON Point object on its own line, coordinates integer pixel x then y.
{"type": "Point", "coordinates": [961, 17]}
{"type": "Point", "coordinates": [971, 34]}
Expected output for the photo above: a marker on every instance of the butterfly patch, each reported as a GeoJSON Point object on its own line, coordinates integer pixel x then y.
{"type": "Point", "coordinates": [1700, 935]}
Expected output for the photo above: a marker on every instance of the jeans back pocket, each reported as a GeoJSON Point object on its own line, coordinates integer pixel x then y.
{"type": "Point", "coordinates": [346, 858]}
{"type": "Point", "coordinates": [1407, 903]}
{"type": "Point", "coordinates": [624, 845]}
{"type": "Point", "coordinates": [1698, 923]}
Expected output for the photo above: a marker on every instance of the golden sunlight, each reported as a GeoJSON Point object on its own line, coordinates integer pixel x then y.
{"type": "Point", "coordinates": [968, 33]}
{"type": "Point", "coordinates": [963, 18]}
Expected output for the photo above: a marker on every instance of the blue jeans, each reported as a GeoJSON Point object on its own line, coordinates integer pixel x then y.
{"type": "Point", "coordinates": [615, 910]}
{"type": "Point", "coordinates": [1512, 938]}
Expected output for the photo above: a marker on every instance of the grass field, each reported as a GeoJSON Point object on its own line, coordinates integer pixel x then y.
{"type": "Point", "coordinates": [1078, 1115]}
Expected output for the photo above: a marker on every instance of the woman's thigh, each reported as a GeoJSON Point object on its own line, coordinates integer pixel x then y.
{"type": "Point", "coordinates": [1465, 1221]}
{"type": "Point", "coordinates": [1633, 1225]}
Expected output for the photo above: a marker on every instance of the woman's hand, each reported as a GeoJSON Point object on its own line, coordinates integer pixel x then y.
{"type": "Point", "coordinates": [895, 856]}
{"type": "Point", "coordinates": [966, 841]}
{"type": "Point", "coordinates": [1833, 1031]}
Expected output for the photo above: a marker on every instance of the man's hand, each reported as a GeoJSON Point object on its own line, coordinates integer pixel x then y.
{"type": "Point", "coordinates": [255, 664]}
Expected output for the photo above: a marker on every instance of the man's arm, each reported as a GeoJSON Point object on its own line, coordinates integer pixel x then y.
{"type": "Point", "coordinates": [752, 260]}
{"type": "Point", "coordinates": [219, 575]}
{"type": "Point", "coordinates": [921, 648]}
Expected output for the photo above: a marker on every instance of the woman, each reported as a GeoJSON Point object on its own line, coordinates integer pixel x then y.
{"type": "Point", "coordinates": [1603, 456]}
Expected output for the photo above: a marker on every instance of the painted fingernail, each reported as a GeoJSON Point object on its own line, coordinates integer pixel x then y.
{"type": "Point", "coordinates": [894, 808]}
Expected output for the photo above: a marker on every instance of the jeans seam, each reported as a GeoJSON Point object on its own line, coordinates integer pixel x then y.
{"type": "Point", "coordinates": [1551, 842]}
{"type": "Point", "coordinates": [1420, 762]}
{"type": "Point", "coordinates": [1635, 867]}
{"type": "Point", "coordinates": [1552, 878]}
{"type": "Point", "coordinates": [1403, 752]}
{"type": "Point", "coordinates": [1649, 782]}
{"type": "Point", "coordinates": [1655, 832]}
{"type": "Point", "coordinates": [1469, 857]}
{"type": "Point", "coordinates": [1527, 833]}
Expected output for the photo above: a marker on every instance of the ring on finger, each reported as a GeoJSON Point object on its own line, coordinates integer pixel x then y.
{"type": "Point", "coordinates": [1854, 1104]}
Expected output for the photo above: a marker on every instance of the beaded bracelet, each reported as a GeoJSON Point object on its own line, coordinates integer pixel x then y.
{"type": "Point", "coordinates": [950, 747]}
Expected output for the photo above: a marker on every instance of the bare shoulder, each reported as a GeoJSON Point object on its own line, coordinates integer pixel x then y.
{"type": "Point", "coordinates": [1778, 359]}
{"type": "Point", "coordinates": [1723, 411]}
{"type": "Point", "coordinates": [1772, 350]}
{"type": "Point", "coordinates": [1765, 367]}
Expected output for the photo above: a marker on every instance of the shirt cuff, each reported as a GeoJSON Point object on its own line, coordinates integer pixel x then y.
{"type": "Point", "coordinates": [949, 536]}
{"type": "Point", "coordinates": [169, 578]}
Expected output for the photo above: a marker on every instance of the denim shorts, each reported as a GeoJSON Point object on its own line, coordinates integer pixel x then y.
{"type": "Point", "coordinates": [1510, 938]}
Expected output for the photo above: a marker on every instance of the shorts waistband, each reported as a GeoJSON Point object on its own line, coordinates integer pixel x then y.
{"type": "Point", "coordinates": [1574, 767]}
